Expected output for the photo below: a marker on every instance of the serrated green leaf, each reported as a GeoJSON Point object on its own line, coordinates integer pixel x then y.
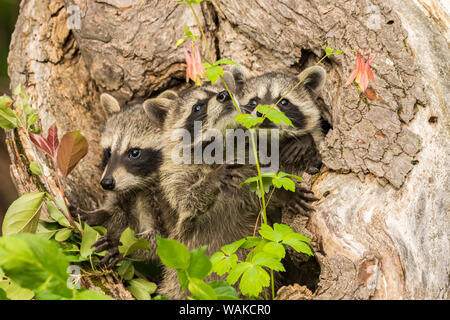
{"type": "Point", "coordinates": [141, 289]}
{"type": "Point", "coordinates": [275, 249]}
{"type": "Point", "coordinates": [232, 247]}
{"type": "Point", "coordinates": [223, 265]}
{"type": "Point", "coordinates": [299, 246]}
{"type": "Point", "coordinates": [130, 244]}
{"type": "Point", "coordinates": [23, 214]}
{"type": "Point", "coordinates": [268, 260]}
{"type": "Point", "coordinates": [253, 280]}
{"type": "Point", "coordinates": [248, 120]}
{"type": "Point", "coordinates": [213, 73]}
{"type": "Point", "coordinates": [200, 265]}
{"type": "Point", "coordinates": [173, 254]}
{"type": "Point", "coordinates": [237, 271]}
{"type": "Point", "coordinates": [224, 61]}
{"type": "Point", "coordinates": [251, 242]}
{"type": "Point", "coordinates": [201, 290]}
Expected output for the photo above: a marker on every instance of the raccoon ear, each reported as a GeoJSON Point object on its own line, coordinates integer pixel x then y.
{"type": "Point", "coordinates": [315, 80]}
{"type": "Point", "coordinates": [109, 103]}
{"type": "Point", "coordinates": [236, 77]}
{"type": "Point", "coordinates": [168, 94]}
{"type": "Point", "coordinates": [157, 108]}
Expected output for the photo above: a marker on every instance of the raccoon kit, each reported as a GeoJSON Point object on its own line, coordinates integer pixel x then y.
{"type": "Point", "coordinates": [210, 209]}
{"type": "Point", "coordinates": [298, 144]}
{"type": "Point", "coordinates": [131, 142]}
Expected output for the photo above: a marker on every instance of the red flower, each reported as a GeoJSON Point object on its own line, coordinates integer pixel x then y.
{"type": "Point", "coordinates": [195, 69]}
{"type": "Point", "coordinates": [362, 71]}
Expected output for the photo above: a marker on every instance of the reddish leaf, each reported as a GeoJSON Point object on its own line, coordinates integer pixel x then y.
{"type": "Point", "coordinates": [52, 138]}
{"type": "Point", "coordinates": [72, 149]}
{"type": "Point", "coordinates": [42, 143]}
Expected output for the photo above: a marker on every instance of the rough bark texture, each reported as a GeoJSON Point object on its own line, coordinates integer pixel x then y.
{"type": "Point", "coordinates": [381, 226]}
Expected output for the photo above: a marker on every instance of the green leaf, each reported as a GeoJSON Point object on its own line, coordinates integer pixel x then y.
{"type": "Point", "coordinates": [141, 289]}
{"type": "Point", "coordinates": [3, 295]}
{"type": "Point", "coordinates": [251, 242]}
{"type": "Point", "coordinates": [299, 246]}
{"type": "Point", "coordinates": [90, 295]}
{"type": "Point", "coordinates": [213, 72]}
{"type": "Point", "coordinates": [222, 264]}
{"type": "Point", "coordinates": [295, 235]}
{"type": "Point", "coordinates": [36, 264]}
{"type": "Point", "coordinates": [248, 120]}
{"type": "Point", "coordinates": [23, 214]}
{"type": "Point", "coordinates": [63, 235]}
{"type": "Point", "coordinates": [225, 61]}
{"type": "Point", "coordinates": [254, 279]}
{"type": "Point", "coordinates": [232, 247]}
{"type": "Point", "coordinates": [237, 271]}
{"type": "Point", "coordinates": [35, 168]}
{"type": "Point", "coordinates": [276, 249]}
{"type": "Point", "coordinates": [56, 214]}
{"type": "Point", "coordinates": [130, 244]}
{"type": "Point", "coordinates": [31, 119]}
{"type": "Point", "coordinates": [126, 270]}
{"type": "Point", "coordinates": [15, 292]}
{"type": "Point", "coordinates": [8, 119]}
{"type": "Point", "coordinates": [267, 260]}
{"type": "Point", "coordinates": [274, 115]}
{"type": "Point", "coordinates": [200, 265]}
{"type": "Point", "coordinates": [173, 254]}
{"type": "Point", "coordinates": [223, 290]}
{"type": "Point", "coordinates": [278, 233]}
{"type": "Point", "coordinates": [200, 290]}
{"type": "Point", "coordinates": [90, 235]}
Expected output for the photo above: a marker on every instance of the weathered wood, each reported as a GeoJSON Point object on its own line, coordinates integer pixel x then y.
{"type": "Point", "coordinates": [381, 226]}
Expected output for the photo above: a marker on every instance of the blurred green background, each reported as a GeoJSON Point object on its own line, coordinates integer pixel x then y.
{"type": "Point", "coordinates": [9, 10]}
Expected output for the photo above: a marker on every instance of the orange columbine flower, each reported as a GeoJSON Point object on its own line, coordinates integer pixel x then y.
{"type": "Point", "coordinates": [362, 71]}
{"type": "Point", "coordinates": [195, 69]}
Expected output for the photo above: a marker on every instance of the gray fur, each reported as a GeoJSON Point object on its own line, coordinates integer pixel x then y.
{"type": "Point", "coordinates": [210, 209]}
{"type": "Point", "coordinates": [136, 200]}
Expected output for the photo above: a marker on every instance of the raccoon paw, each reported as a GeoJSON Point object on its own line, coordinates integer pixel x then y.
{"type": "Point", "coordinates": [300, 203]}
{"type": "Point", "coordinates": [111, 244]}
{"type": "Point", "coordinates": [230, 177]}
{"type": "Point", "coordinates": [92, 218]}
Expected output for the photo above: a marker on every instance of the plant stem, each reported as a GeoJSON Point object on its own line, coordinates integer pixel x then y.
{"type": "Point", "coordinates": [273, 285]}
{"type": "Point", "coordinates": [261, 186]}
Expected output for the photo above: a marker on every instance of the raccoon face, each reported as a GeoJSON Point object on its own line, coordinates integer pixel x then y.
{"type": "Point", "coordinates": [131, 143]}
{"type": "Point", "coordinates": [298, 105]}
{"type": "Point", "coordinates": [200, 109]}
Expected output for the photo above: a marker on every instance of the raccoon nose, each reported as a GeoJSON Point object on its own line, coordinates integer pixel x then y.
{"type": "Point", "coordinates": [108, 183]}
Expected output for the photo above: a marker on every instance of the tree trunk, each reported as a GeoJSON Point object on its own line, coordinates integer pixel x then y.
{"type": "Point", "coordinates": [380, 229]}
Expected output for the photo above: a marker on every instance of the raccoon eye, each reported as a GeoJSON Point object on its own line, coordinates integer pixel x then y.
{"type": "Point", "coordinates": [223, 96]}
{"type": "Point", "coordinates": [107, 153]}
{"type": "Point", "coordinates": [134, 153]}
{"type": "Point", "coordinates": [284, 102]}
{"type": "Point", "coordinates": [253, 102]}
{"type": "Point", "coordinates": [197, 107]}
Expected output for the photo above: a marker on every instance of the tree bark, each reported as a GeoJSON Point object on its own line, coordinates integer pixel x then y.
{"type": "Point", "coordinates": [380, 229]}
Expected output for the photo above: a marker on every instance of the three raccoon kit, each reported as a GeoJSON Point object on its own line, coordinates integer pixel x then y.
{"type": "Point", "coordinates": [199, 204]}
